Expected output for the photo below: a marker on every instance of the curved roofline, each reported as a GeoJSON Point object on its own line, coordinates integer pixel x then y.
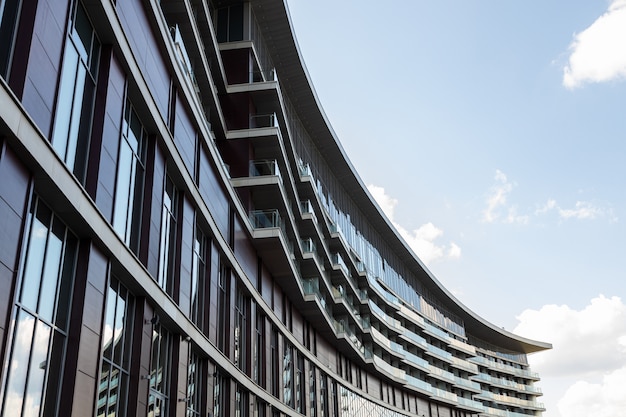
{"type": "Point", "coordinates": [274, 17]}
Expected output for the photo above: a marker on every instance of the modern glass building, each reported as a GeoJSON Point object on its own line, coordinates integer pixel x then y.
{"type": "Point", "coordinates": [181, 234]}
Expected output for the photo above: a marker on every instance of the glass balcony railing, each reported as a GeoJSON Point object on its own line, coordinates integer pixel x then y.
{"type": "Point", "coordinates": [304, 169]}
{"type": "Point", "coordinates": [415, 338]}
{"type": "Point", "coordinates": [416, 361]}
{"type": "Point", "coordinates": [504, 368]}
{"type": "Point", "coordinates": [439, 353]}
{"type": "Point", "coordinates": [264, 167]}
{"type": "Point", "coordinates": [392, 370]}
{"type": "Point", "coordinates": [311, 287]}
{"type": "Point", "coordinates": [263, 219]}
{"type": "Point", "coordinates": [503, 382]}
{"type": "Point", "coordinates": [260, 76]}
{"type": "Point", "coordinates": [465, 365]}
{"type": "Point", "coordinates": [441, 374]}
{"type": "Point", "coordinates": [462, 346]}
{"type": "Point", "coordinates": [441, 393]}
{"type": "Point", "coordinates": [263, 120]}
{"type": "Point", "coordinates": [505, 399]}
{"type": "Point", "coordinates": [343, 328]}
{"type": "Point", "coordinates": [338, 260]}
{"type": "Point", "coordinates": [393, 323]}
{"type": "Point", "coordinates": [438, 333]}
{"type": "Point", "coordinates": [418, 383]}
{"type": "Point", "coordinates": [468, 403]}
{"type": "Point", "coordinates": [306, 207]}
{"type": "Point", "coordinates": [495, 412]}
{"type": "Point", "coordinates": [308, 245]}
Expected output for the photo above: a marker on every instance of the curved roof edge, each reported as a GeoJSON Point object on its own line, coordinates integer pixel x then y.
{"type": "Point", "coordinates": [274, 18]}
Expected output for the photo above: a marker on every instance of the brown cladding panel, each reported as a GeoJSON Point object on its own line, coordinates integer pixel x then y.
{"type": "Point", "coordinates": [212, 192]}
{"type": "Point", "coordinates": [145, 47]}
{"type": "Point", "coordinates": [185, 137]}
{"type": "Point", "coordinates": [297, 324]}
{"type": "Point", "coordinates": [266, 285]}
{"type": "Point", "coordinates": [15, 181]}
{"type": "Point", "coordinates": [245, 252]}
{"type": "Point", "coordinates": [14, 191]}
{"type": "Point", "coordinates": [110, 137]}
{"type": "Point", "coordinates": [89, 352]}
{"type": "Point", "coordinates": [84, 394]}
{"type": "Point", "coordinates": [44, 62]}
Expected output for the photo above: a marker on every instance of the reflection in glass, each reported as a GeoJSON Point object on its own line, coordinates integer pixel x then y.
{"type": "Point", "coordinates": [159, 371]}
{"type": "Point", "coordinates": [129, 181]}
{"type": "Point", "coordinates": [38, 335]}
{"type": "Point", "coordinates": [198, 271]}
{"type": "Point", "coordinates": [194, 384]}
{"type": "Point", "coordinates": [116, 351]}
{"type": "Point", "coordinates": [168, 238]}
{"type": "Point", "coordinates": [72, 123]}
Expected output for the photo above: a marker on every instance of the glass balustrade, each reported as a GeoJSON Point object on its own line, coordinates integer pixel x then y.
{"type": "Point", "coordinates": [258, 121]}
{"type": "Point", "coordinates": [262, 219]}
{"type": "Point", "coordinates": [264, 167]}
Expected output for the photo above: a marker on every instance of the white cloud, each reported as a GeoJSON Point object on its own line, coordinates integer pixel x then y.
{"type": "Point", "coordinates": [605, 399]}
{"type": "Point", "coordinates": [585, 342]}
{"type": "Point", "coordinates": [497, 199]}
{"type": "Point", "coordinates": [598, 53]}
{"type": "Point", "coordinates": [421, 240]}
{"type": "Point", "coordinates": [587, 362]}
{"type": "Point", "coordinates": [386, 202]}
{"type": "Point", "coordinates": [499, 210]}
{"type": "Point", "coordinates": [582, 210]}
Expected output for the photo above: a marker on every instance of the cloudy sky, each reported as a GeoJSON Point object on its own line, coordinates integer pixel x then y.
{"type": "Point", "coordinates": [493, 135]}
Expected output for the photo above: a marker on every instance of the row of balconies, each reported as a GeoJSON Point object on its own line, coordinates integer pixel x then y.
{"type": "Point", "coordinates": [507, 383]}
{"type": "Point", "coordinates": [345, 294]}
{"type": "Point", "coordinates": [271, 218]}
{"type": "Point", "coordinates": [504, 368]}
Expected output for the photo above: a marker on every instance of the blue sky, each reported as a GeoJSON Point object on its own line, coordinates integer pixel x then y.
{"type": "Point", "coordinates": [493, 134]}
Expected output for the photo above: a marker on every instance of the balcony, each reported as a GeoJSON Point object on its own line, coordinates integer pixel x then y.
{"type": "Point", "coordinates": [274, 245]}
{"type": "Point", "coordinates": [264, 219]}
{"type": "Point", "coordinates": [391, 323]}
{"type": "Point", "coordinates": [258, 121]}
{"type": "Point", "coordinates": [507, 383]}
{"type": "Point", "coordinates": [416, 361]}
{"type": "Point", "coordinates": [511, 370]}
{"type": "Point", "coordinates": [472, 405]}
{"type": "Point", "coordinates": [511, 401]}
{"type": "Point", "coordinates": [419, 385]}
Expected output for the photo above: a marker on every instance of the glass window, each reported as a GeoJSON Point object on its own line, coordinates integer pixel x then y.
{"type": "Point", "coordinates": [39, 323]}
{"type": "Point", "coordinates": [199, 286]}
{"type": "Point", "coordinates": [72, 123]}
{"type": "Point", "coordinates": [323, 396]}
{"type": "Point", "coordinates": [194, 384]}
{"type": "Point", "coordinates": [288, 374]}
{"type": "Point", "coordinates": [116, 351]}
{"type": "Point", "coordinates": [240, 335]}
{"type": "Point", "coordinates": [223, 316]}
{"type": "Point", "coordinates": [220, 395]}
{"type": "Point", "coordinates": [274, 365]}
{"type": "Point", "coordinates": [299, 384]}
{"type": "Point", "coordinates": [312, 391]}
{"type": "Point", "coordinates": [130, 179]}
{"type": "Point", "coordinates": [241, 402]}
{"type": "Point", "coordinates": [9, 11]}
{"type": "Point", "coordinates": [167, 242]}
{"type": "Point", "coordinates": [160, 361]}
{"type": "Point", "coordinates": [259, 350]}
